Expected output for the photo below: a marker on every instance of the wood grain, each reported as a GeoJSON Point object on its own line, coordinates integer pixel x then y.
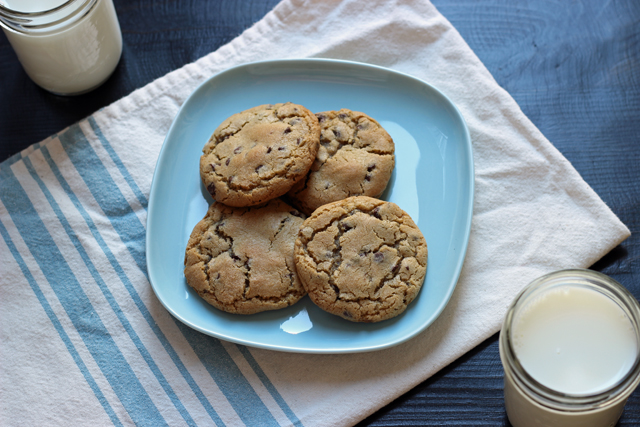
{"type": "Point", "coordinates": [574, 69]}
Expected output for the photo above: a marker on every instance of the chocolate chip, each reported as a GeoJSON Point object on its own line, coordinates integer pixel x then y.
{"type": "Point", "coordinates": [321, 117]}
{"type": "Point", "coordinates": [287, 130]}
{"type": "Point", "coordinates": [212, 190]}
{"type": "Point", "coordinates": [367, 177]}
{"type": "Point", "coordinates": [213, 167]}
{"type": "Point", "coordinates": [268, 150]}
{"type": "Point", "coordinates": [376, 212]}
{"type": "Point", "coordinates": [345, 227]}
{"type": "Point", "coordinates": [371, 167]}
{"type": "Point", "coordinates": [281, 148]}
{"type": "Point", "coordinates": [230, 179]}
{"type": "Point", "coordinates": [378, 257]}
{"type": "Point", "coordinates": [342, 116]}
{"type": "Point", "coordinates": [237, 150]}
{"type": "Point", "coordinates": [347, 314]}
{"type": "Point", "coordinates": [336, 133]}
{"type": "Point", "coordinates": [298, 141]}
{"type": "Point", "coordinates": [228, 161]}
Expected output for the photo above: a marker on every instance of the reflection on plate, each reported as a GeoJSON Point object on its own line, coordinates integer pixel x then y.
{"type": "Point", "coordinates": [432, 181]}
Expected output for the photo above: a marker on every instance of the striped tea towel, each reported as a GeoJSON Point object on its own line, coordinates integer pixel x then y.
{"type": "Point", "coordinates": [84, 341]}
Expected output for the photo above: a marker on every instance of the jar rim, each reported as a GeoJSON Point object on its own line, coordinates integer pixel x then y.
{"type": "Point", "coordinates": [571, 401]}
{"type": "Point", "coordinates": [19, 13]}
{"type": "Point", "coordinates": [64, 14]}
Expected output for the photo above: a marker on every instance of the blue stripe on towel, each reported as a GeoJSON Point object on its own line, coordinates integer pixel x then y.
{"type": "Point", "coordinates": [109, 297]}
{"type": "Point", "coordinates": [247, 404]}
{"type": "Point", "coordinates": [269, 386]}
{"type": "Point", "coordinates": [76, 304]}
{"type": "Point", "coordinates": [59, 328]}
{"type": "Point", "coordinates": [131, 290]}
{"type": "Point", "coordinates": [250, 407]}
{"type": "Point", "coordinates": [11, 160]}
{"type": "Point", "coordinates": [118, 162]}
{"type": "Point", "coordinates": [114, 205]}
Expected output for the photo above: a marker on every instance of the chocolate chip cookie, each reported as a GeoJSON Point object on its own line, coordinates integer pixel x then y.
{"type": "Point", "coordinates": [361, 258]}
{"type": "Point", "coordinates": [355, 158]}
{"type": "Point", "coordinates": [240, 260]}
{"type": "Point", "coordinates": [259, 154]}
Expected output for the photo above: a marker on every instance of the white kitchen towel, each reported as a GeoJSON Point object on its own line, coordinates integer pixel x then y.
{"type": "Point", "coordinates": [84, 341]}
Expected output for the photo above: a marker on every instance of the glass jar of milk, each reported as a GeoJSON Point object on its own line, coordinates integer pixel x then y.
{"type": "Point", "coordinates": [67, 47]}
{"type": "Point", "coordinates": [570, 346]}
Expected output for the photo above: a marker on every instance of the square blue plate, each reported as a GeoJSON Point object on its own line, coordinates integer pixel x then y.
{"type": "Point", "coordinates": [433, 181]}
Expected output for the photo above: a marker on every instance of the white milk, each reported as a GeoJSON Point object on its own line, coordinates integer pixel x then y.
{"type": "Point", "coordinates": [574, 340]}
{"type": "Point", "coordinates": [68, 58]}
{"type": "Point", "coordinates": [569, 346]}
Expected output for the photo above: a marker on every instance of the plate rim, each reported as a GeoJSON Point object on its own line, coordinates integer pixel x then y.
{"type": "Point", "coordinates": [319, 350]}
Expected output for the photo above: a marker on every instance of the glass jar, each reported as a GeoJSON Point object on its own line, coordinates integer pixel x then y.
{"type": "Point", "coordinates": [66, 47]}
{"type": "Point", "coordinates": [535, 395]}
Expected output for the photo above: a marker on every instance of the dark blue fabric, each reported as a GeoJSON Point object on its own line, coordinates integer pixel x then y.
{"type": "Point", "coordinates": [158, 36]}
{"type": "Point", "coordinates": [572, 66]}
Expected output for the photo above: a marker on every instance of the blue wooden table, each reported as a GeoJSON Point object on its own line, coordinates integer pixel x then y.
{"type": "Point", "coordinates": [573, 66]}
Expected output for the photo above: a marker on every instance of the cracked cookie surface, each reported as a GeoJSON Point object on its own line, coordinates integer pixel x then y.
{"type": "Point", "coordinates": [361, 258]}
{"type": "Point", "coordinates": [259, 154]}
{"type": "Point", "coordinates": [240, 260]}
{"type": "Point", "coordinates": [355, 158]}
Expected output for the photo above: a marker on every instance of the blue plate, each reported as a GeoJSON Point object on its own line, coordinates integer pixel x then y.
{"type": "Point", "coordinates": [432, 181]}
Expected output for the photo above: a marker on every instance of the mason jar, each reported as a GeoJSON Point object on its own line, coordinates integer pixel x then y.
{"type": "Point", "coordinates": [570, 347]}
{"type": "Point", "coordinates": [67, 47]}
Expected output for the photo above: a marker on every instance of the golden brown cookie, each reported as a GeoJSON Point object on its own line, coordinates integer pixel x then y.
{"type": "Point", "coordinates": [361, 258]}
{"type": "Point", "coordinates": [259, 154]}
{"type": "Point", "coordinates": [240, 260]}
{"type": "Point", "coordinates": [355, 158]}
